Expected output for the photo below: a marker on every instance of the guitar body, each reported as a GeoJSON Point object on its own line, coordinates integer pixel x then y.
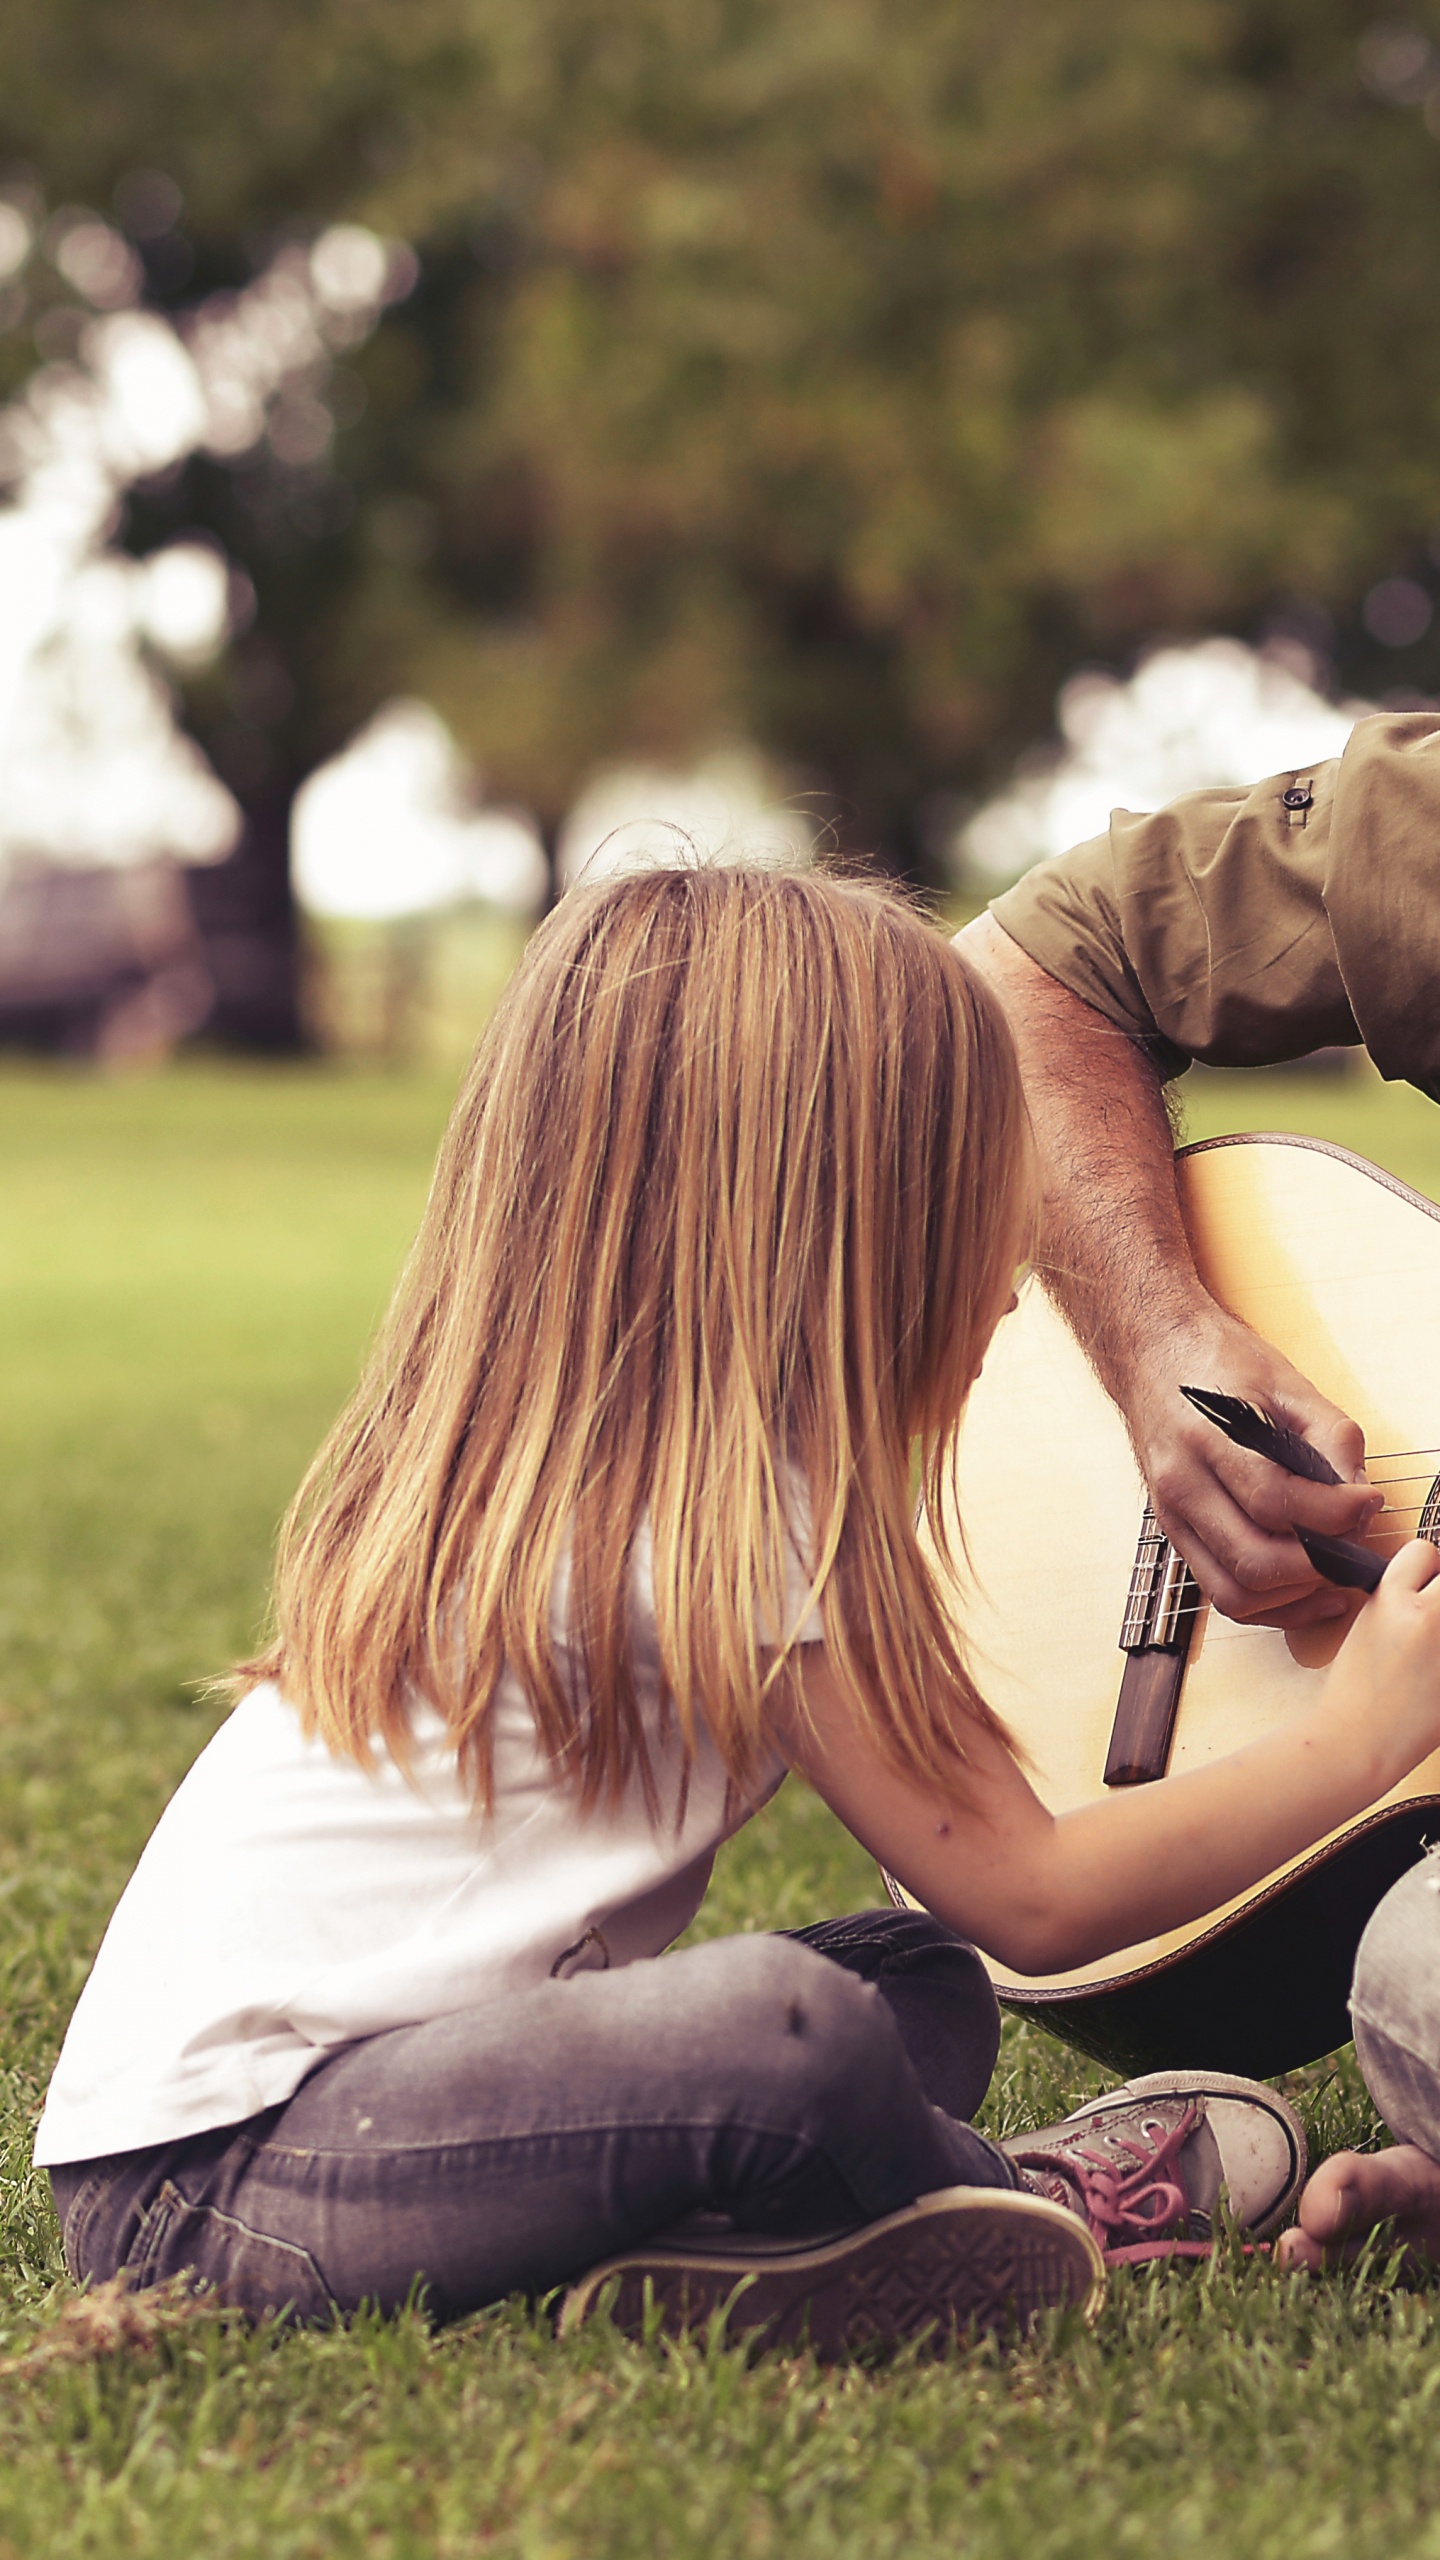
{"type": "Point", "coordinates": [1339, 1266]}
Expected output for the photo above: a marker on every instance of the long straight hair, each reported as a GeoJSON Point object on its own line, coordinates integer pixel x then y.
{"type": "Point", "coordinates": [729, 1203]}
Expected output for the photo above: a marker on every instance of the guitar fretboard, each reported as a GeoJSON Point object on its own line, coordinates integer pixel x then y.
{"type": "Point", "coordinates": [1163, 1595]}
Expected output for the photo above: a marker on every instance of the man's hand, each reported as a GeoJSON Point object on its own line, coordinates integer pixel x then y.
{"type": "Point", "coordinates": [1115, 1257]}
{"type": "Point", "coordinates": [1230, 1513]}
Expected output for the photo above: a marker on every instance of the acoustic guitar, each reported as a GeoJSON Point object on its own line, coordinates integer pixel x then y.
{"type": "Point", "coordinates": [1089, 1637]}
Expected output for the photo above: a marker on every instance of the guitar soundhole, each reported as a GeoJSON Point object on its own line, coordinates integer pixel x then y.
{"type": "Point", "coordinates": [1430, 1517]}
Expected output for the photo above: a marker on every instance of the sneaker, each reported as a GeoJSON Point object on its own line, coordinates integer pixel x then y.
{"type": "Point", "coordinates": [961, 2261]}
{"type": "Point", "coordinates": [1145, 2166]}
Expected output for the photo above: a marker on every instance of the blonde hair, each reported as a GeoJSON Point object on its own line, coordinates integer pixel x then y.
{"type": "Point", "coordinates": [730, 1200]}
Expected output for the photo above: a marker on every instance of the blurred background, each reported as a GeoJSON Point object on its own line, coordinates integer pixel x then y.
{"type": "Point", "coordinates": [436, 435]}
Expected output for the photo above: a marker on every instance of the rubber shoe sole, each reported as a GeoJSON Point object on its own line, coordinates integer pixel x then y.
{"type": "Point", "coordinates": [1224, 2084]}
{"type": "Point", "coordinates": [964, 2262]}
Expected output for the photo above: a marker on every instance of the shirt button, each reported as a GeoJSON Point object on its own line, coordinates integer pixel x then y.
{"type": "Point", "coordinates": [1299, 796]}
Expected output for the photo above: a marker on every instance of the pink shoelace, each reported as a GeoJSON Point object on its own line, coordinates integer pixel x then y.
{"type": "Point", "coordinates": [1128, 2208]}
{"type": "Point", "coordinates": [1139, 2203]}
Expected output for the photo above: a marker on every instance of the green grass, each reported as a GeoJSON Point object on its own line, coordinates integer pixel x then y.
{"type": "Point", "coordinates": [188, 1270]}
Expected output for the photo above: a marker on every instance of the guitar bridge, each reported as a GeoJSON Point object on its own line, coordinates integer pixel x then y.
{"type": "Point", "coordinates": [1155, 1636]}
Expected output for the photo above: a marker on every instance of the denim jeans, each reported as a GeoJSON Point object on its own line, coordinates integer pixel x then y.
{"type": "Point", "coordinates": [1395, 2006]}
{"type": "Point", "coordinates": [789, 2085]}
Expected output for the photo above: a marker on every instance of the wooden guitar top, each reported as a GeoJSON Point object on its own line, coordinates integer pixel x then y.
{"type": "Point", "coordinates": [1339, 1266]}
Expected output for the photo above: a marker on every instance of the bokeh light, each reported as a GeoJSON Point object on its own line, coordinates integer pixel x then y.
{"type": "Point", "coordinates": [390, 828]}
{"type": "Point", "coordinates": [636, 815]}
{"type": "Point", "coordinates": [98, 767]}
{"type": "Point", "coordinates": [1189, 719]}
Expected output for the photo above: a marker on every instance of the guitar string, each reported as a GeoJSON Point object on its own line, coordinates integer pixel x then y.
{"type": "Point", "coordinates": [1220, 1630]}
{"type": "Point", "coordinates": [1226, 1631]}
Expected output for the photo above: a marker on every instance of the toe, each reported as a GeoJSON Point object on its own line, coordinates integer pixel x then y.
{"type": "Point", "coordinates": [1297, 2254]}
{"type": "Point", "coordinates": [1333, 2205]}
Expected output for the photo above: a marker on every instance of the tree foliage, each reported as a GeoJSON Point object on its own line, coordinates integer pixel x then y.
{"type": "Point", "coordinates": [833, 373]}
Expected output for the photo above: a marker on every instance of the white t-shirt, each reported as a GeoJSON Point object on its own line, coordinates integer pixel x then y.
{"type": "Point", "coordinates": [290, 1902]}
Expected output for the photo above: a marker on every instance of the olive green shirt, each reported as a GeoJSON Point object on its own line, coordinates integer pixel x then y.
{"type": "Point", "coordinates": [1246, 926]}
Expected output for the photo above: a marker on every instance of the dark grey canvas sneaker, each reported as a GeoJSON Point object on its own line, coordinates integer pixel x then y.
{"type": "Point", "coordinates": [960, 2262]}
{"type": "Point", "coordinates": [1146, 2165]}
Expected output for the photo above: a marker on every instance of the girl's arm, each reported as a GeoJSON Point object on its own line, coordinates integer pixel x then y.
{"type": "Point", "coordinates": [1044, 1892]}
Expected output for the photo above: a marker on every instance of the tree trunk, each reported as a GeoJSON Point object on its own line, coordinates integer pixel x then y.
{"type": "Point", "coordinates": [246, 918]}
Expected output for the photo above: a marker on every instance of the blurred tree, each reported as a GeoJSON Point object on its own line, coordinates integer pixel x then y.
{"type": "Point", "coordinates": [844, 373]}
{"type": "Point", "coordinates": [832, 373]}
{"type": "Point", "coordinates": [212, 138]}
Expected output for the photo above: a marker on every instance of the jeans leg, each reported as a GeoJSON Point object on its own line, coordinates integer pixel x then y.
{"type": "Point", "coordinates": [1395, 2006]}
{"type": "Point", "coordinates": [508, 2148]}
{"type": "Point", "coordinates": [936, 1989]}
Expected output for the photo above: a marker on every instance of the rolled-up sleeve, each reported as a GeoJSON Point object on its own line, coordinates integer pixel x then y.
{"type": "Point", "coordinates": [1244, 927]}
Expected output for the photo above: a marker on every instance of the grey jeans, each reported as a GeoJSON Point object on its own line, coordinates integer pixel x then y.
{"type": "Point", "coordinates": [1395, 2006]}
{"type": "Point", "coordinates": [788, 2085]}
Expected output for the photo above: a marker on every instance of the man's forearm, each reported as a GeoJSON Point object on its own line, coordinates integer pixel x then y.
{"type": "Point", "coordinates": [1115, 1254]}
{"type": "Point", "coordinates": [1113, 1247]}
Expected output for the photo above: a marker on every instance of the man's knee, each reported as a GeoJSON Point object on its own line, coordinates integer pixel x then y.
{"type": "Point", "coordinates": [1395, 2005]}
{"type": "Point", "coordinates": [1397, 1965]}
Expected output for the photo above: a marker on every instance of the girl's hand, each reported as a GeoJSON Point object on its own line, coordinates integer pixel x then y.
{"type": "Point", "coordinates": [1384, 1684]}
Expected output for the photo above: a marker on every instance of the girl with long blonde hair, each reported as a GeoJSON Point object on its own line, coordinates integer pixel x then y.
{"type": "Point", "coordinates": [620, 1525]}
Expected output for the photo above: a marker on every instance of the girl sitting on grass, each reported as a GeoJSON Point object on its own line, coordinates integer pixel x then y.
{"type": "Point", "coordinates": [619, 1527]}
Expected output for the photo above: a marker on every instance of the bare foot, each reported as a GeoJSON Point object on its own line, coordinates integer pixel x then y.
{"type": "Point", "coordinates": [1350, 2195]}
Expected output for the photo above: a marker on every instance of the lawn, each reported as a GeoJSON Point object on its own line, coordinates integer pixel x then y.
{"type": "Point", "coordinates": [188, 1269]}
